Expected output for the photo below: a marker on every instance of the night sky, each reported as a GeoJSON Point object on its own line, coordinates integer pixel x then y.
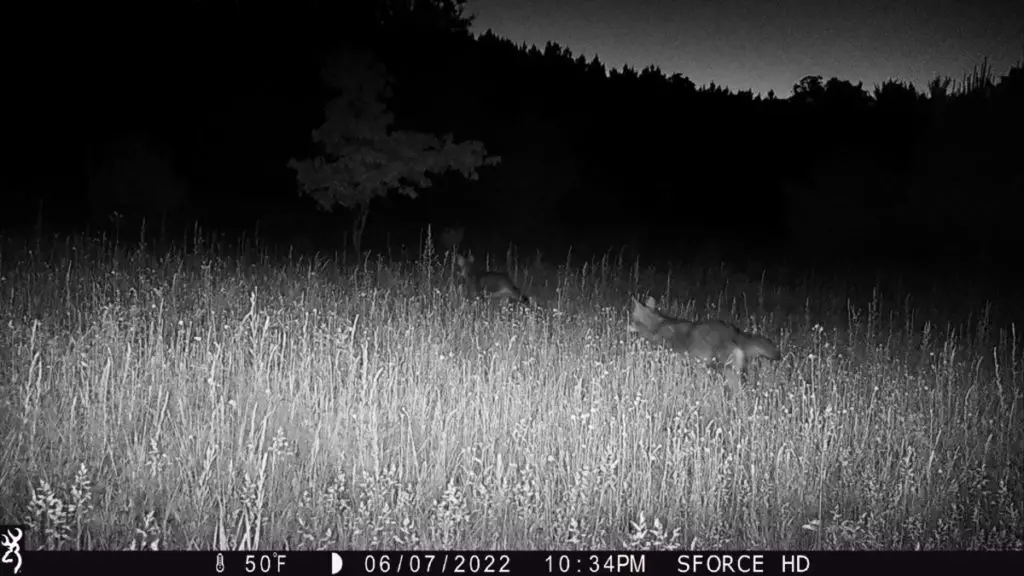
{"type": "Point", "coordinates": [761, 45]}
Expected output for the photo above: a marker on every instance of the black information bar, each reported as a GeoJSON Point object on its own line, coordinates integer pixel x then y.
{"type": "Point", "coordinates": [522, 563]}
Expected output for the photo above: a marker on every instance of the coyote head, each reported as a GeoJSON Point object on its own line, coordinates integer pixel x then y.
{"type": "Point", "coordinates": [644, 315]}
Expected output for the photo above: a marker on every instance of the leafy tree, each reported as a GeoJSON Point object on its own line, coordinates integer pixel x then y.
{"type": "Point", "coordinates": [363, 156]}
{"type": "Point", "coordinates": [809, 90]}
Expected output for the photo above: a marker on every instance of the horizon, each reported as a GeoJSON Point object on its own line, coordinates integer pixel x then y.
{"type": "Point", "coordinates": [749, 45]}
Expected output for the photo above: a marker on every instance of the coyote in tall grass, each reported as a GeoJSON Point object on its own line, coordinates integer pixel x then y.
{"type": "Point", "coordinates": [487, 283]}
{"type": "Point", "coordinates": [723, 345]}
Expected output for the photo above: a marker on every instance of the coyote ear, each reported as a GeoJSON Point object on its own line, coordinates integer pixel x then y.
{"type": "Point", "coordinates": [651, 302]}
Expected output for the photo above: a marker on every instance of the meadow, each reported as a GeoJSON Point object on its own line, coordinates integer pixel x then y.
{"type": "Point", "coordinates": [227, 398]}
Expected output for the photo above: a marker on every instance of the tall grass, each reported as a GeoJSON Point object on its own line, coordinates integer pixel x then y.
{"type": "Point", "coordinates": [217, 400]}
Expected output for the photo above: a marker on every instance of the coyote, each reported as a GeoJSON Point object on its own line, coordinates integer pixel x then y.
{"type": "Point", "coordinates": [719, 343]}
{"type": "Point", "coordinates": [487, 283]}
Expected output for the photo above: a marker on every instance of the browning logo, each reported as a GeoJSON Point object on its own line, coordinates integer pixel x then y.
{"type": "Point", "coordinates": [9, 538]}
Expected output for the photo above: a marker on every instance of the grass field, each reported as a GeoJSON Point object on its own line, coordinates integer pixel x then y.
{"type": "Point", "coordinates": [218, 400]}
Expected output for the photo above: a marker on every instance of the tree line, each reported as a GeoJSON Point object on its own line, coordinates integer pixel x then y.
{"type": "Point", "coordinates": [210, 116]}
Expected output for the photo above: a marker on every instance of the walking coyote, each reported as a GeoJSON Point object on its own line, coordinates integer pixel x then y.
{"type": "Point", "coordinates": [486, 283]}
{"type": "Point", "coordinates": [723, 345]}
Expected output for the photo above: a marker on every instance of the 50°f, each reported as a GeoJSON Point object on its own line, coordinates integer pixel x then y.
{"type": "Point", "coordinates": [264, 563]}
